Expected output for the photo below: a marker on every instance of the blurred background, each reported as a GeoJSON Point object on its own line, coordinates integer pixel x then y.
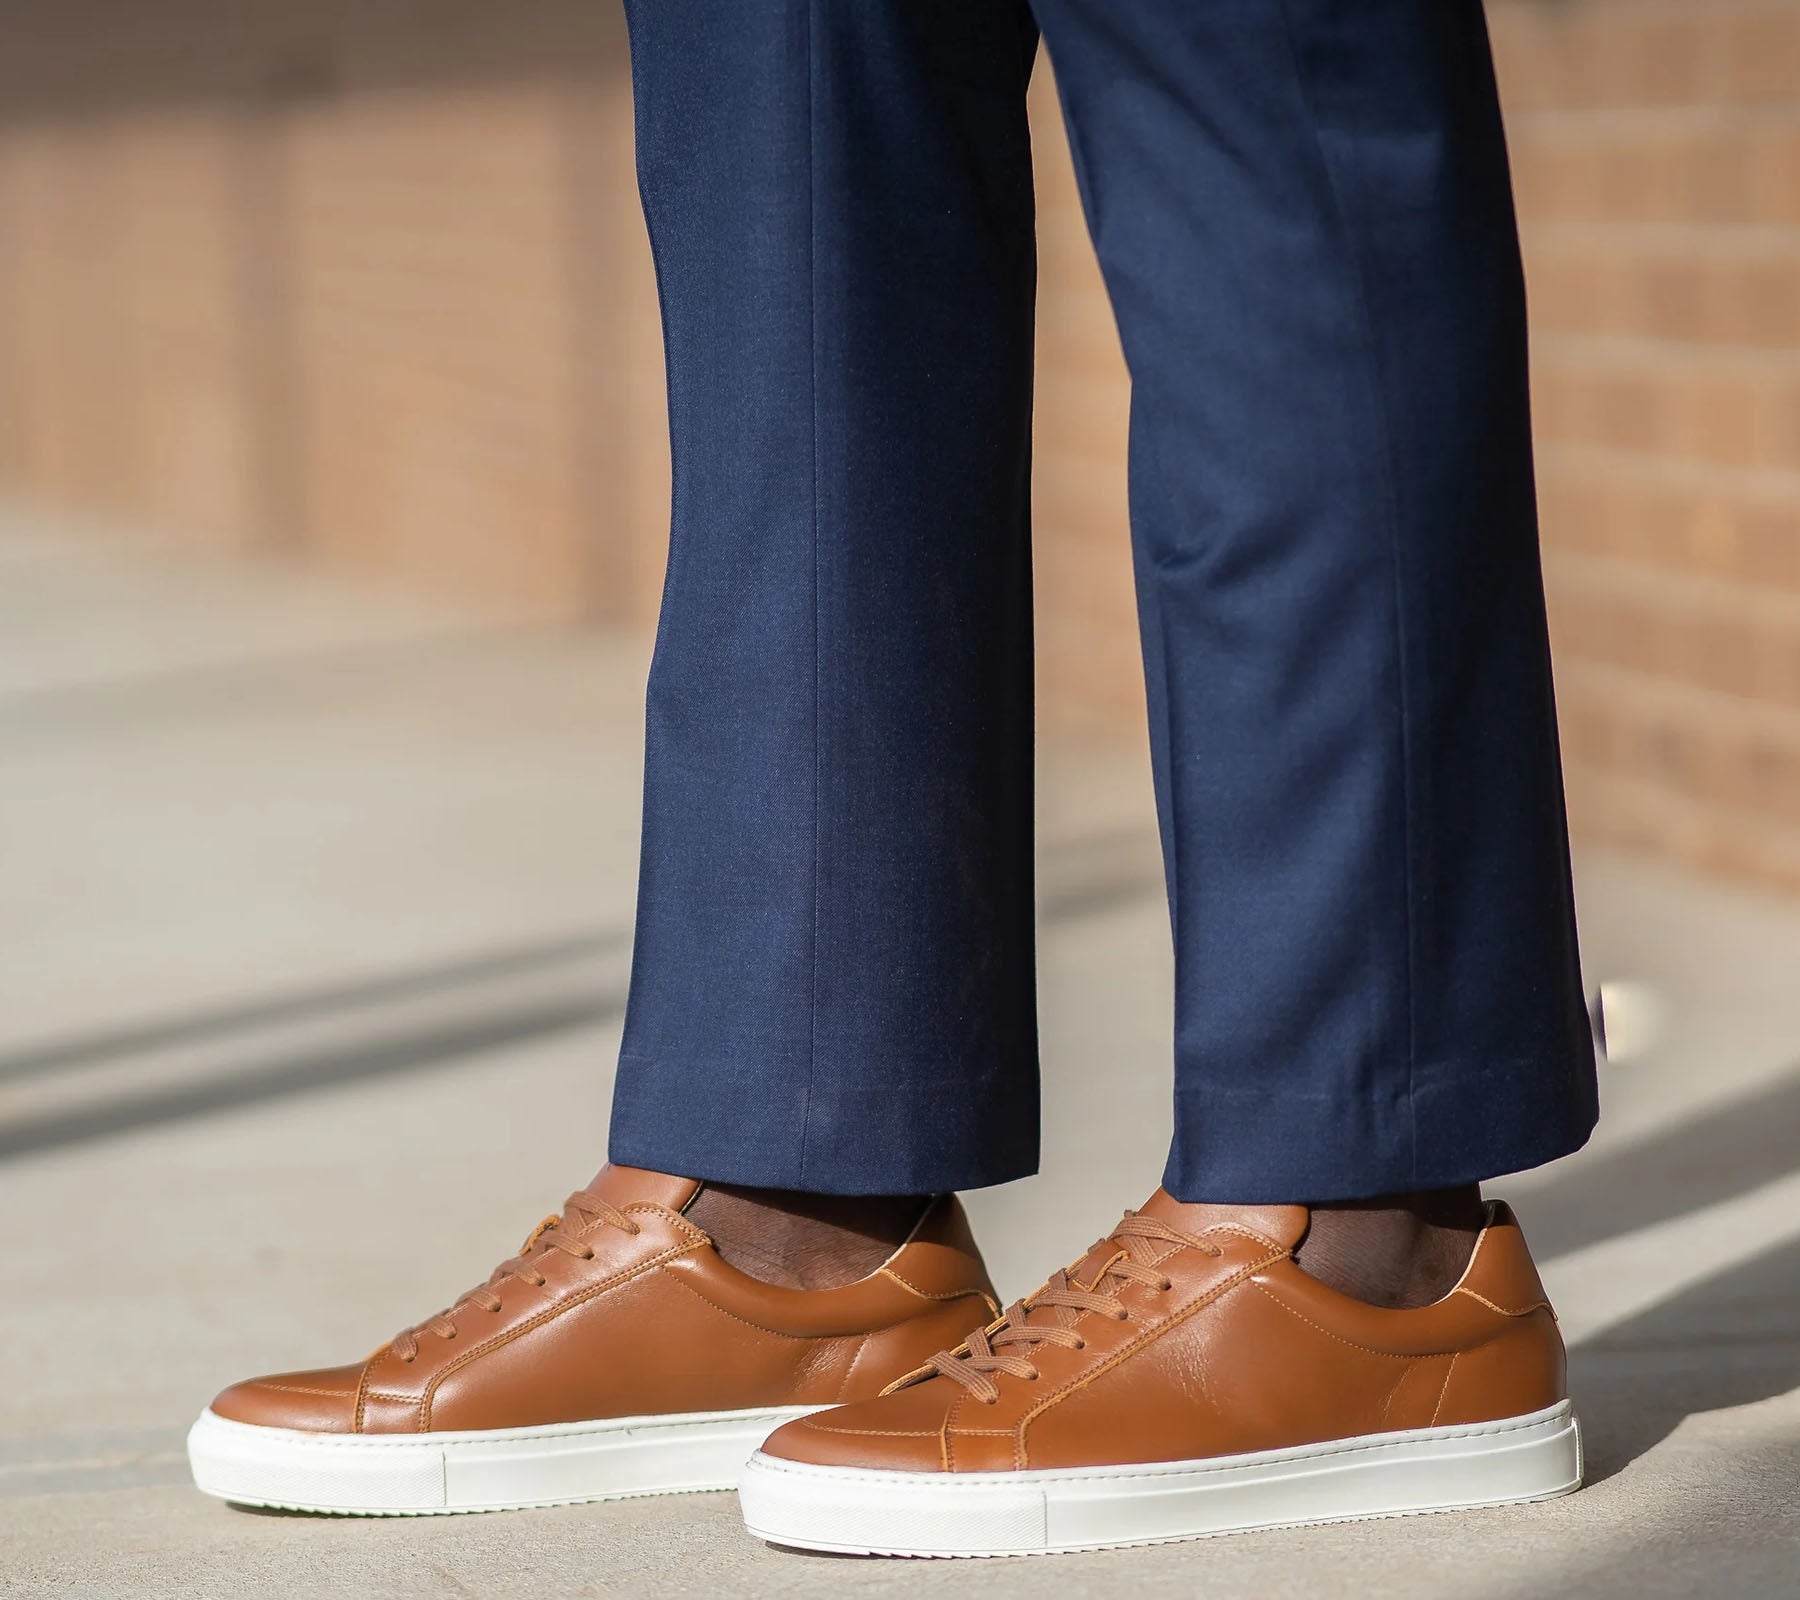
{"type": "Point", "coordinates": [363, 284]}
{"type": "Point", "coordinates": [333, 491]}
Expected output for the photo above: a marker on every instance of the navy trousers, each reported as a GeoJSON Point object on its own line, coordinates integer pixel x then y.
{"type": "Point", "coordinates": [1304, 217]}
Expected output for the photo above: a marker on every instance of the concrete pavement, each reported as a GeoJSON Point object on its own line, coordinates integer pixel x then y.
{"type": "Point", "coordinates": [318, 913]}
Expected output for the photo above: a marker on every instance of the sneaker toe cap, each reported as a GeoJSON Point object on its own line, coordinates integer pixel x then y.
{"type": "Point", "coordinates": [314, 1402]}
{"type": "Point", "coordinates": [900, 1432]}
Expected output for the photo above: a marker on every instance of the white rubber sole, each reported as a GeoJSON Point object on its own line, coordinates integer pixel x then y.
{"type": "Point", "coordinates": [867, 1512]}
{"type": "Point", "coordinates": [491, 1469]}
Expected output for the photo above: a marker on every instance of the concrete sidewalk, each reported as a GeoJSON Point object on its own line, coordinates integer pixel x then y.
{"type": "Point", "coordinates": [318, 915]}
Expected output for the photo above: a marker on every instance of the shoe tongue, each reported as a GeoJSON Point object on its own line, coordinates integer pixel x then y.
{"type": "Point", "coordinates": [623, 1186]}
{"type": "Point", "coordinates": [1283, 1226]}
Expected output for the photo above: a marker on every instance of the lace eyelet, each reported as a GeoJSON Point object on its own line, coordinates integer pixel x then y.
{"type": "Point", "coordinates": [1166, 1285]}
{"type": "Point", "coordinates": [1081, 1344]}
{"type": "Point", "coordinates": [1123, 1316]}
{"type": "Point", "coordinates": [409, 1360]}
{"type": "Point", "coordinates": [588, 1254]}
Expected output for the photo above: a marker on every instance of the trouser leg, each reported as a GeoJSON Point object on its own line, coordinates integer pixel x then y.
{"type": "Point", "coordinates": [1304, 217]}
{"type": "Point", "coordinates": [832, 987]}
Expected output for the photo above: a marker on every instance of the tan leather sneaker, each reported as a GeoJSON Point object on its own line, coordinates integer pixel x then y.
{"type": "Point", "coordinates": [617, 1354]}
{"type": "Point", "coordinates": [1187, 1378]}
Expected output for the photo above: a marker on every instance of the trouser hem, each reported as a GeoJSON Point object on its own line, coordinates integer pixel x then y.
{"type": "Point", "coordinates": [961, 1130]}
{"type": "Point", "coordinates": [1462, 1123]}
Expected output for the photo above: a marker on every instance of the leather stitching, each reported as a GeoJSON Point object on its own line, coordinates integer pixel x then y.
{"type": "Point", "coordinates": [1242, 1232]}
{"type": "Point", "coordinates": [850, 1370]}
{"type": "Point", "coordinates": [1367, 1349]}
{"type": "Point", "coordinates": [936, 1294]}
{"type": "Point", "coordinates": [539, 1318]}
{"type": "Point", "coordinates": [650, 1208]}
{"type": "Point", "coordinates": [780, 1333]}
{"type": "Point", "coordinates": [1523, 1311]}
{"type": "Point", "coordinates": [1442, 1391]}
{"type": "Point", "coordinates": [647, 1207]}
{"type": "Point", "coordinates": [1393, 1394]}
{"type": "Point", "coordinates": [1211, 1297]}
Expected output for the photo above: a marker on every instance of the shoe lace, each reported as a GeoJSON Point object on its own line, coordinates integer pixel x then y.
{"type": "Point", "coordinates": [1051, 1315]}
{"type": "Point", "coordinates": [580, 1212]}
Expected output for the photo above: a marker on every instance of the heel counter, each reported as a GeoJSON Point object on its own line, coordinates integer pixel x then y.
{"type": "Point", "coordinates": [1500, 1268]}
{"type": "Point", "coordinates": [1522, 1366]}
{"type": "Point", "coordinates": [940, 1257]}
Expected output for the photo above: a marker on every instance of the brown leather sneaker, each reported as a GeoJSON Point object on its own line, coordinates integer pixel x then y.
{"type": "Point", "coordinates": [617, 1354]}
{"type": "Point", "coordinates": [1187, 1378]}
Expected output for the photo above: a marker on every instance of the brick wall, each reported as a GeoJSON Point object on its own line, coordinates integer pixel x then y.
{"type": "Point", "coordinates": [359, 281]}
{"type": "Point", "coordinates": [366, 283]}
{"type": "Point", "coordinates": [1656, 147]}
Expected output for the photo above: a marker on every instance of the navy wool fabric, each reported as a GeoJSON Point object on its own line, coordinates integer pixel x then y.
{"type": "Point", "coordinates": [1304, 218]}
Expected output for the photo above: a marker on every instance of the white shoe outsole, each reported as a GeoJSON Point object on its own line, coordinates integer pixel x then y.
{"type": "Point", "coordinates": [491, 1469]}
{"type": "Point", "coordinates": [869, 1512]}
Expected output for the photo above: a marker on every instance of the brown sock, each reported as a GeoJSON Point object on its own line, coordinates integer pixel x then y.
{"type": "Point", "coordinates": [804, 1241]}
{"type": "Point", "coordinates": [1397, 1250]}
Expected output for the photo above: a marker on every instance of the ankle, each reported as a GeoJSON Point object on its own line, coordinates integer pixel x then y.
{"type": "Point", "coordinates": [1401, 1251]}
{"type": "Point", "coordinates": [804, 1241]}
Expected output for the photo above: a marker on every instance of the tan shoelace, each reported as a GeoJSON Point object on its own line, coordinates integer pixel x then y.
{"type": "Point", "coordinates": [580, 1212]}
{"type": "Point", "coordinates": [1049, 1316]}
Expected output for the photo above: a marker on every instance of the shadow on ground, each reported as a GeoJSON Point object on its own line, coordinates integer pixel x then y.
{"type": "Point", "coordinates": [1728, 1341]}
